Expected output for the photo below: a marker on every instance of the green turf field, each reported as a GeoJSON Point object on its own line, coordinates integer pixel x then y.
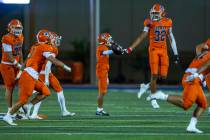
{"type": "Point", "coordinates": [130, 119]}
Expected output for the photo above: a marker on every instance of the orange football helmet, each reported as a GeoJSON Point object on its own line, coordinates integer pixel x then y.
{"type": "Point", "coordinates": [157, 12]}
{"type": "Point", "coordinates": [105, 39]}
{"type": "Point", "coordinates": [15, 27]}
{"type": "Point", "coordinates": [44, 36]}
{"type": "Point", "coordinates": [56, 39]}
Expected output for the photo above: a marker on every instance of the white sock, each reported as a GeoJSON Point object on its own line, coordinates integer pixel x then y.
{"type": "Point", "coordinates": [36, 109]}
{"type": "Point", "coordinates": [34, 92]}
{"type": "Point", "coordinates": [99, 109]}
{"type": "Point", "coordinates": [209, 109]}
{"type": "Point", "coordinates": [193, 122]}
{"type": "Point", "coordinates": [148, 84]}
{"type": "Point", "coordinates": [61, 101]}
{"type": "Point", "coordinates": [9, 109]}
{"type": "Point", "coordinates": [30, 105]}
{"type": "Point", "coordinates": [10, 115]}
{"type": "Point", "coordinates": [165, 97]}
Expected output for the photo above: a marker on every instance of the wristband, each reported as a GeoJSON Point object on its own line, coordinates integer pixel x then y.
{"type": "Point", "coordinates": [67, 68]}
{"type": "Point", "coordinates": [201, 77]}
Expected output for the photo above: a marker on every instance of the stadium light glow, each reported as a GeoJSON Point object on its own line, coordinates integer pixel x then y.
{"type": "Point", "coordinates": [15, 1]}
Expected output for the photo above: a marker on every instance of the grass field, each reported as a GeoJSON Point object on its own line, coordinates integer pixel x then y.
{"type": "Point", "coordinates": [130, 119]}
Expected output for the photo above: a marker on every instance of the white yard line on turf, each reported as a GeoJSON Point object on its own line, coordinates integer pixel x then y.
{"type": "Point", "coordinates": [110, 120]}
{"type": "Point", "coordinates": [113, 134]}
{"type": "Point", "coordinates": [118, 126]}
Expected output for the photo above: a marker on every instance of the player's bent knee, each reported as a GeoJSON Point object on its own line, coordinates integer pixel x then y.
{"type": "Point", "coordinates": [204, 106]}
{"type": "Point", "coordinates": [187, 105]}
{"type": "Point", "coordinates": [46, 91]}
{"type": "Point", "coordinates": [23, 101]}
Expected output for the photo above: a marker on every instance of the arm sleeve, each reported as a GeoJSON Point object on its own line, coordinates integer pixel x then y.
{"type": "Point", "coordinates": [173, 42]}
{"type": "Point", "coordinates": [47, 71]}
{"type": "Point", "coordinates": [7, 47]}
{"type": "Point", "coordinates": [108, 52]}
{"type": "Point", "coordinates": [146, 25]}
{"type": "Point", "coordinates": [146, 29]}
{"type": "Point", "coordinates": [47, 54]}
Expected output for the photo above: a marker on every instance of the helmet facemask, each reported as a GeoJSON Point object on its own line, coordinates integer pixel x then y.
{"type": "Point", "coordinates": [109, 41]}
{"type": "Point", "coordinates": [155, 16]}
{"type": "Point", "coordinates": [58, 40]}
{"type": "Point", "coordinates": [16, 30]}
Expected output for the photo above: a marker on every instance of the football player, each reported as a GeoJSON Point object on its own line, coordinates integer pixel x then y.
{"type": "Point", "coordinates": [199, 49]}
{"type": "Point", "coordinates": [158, 27]}
{"type": "Point", "coordinates": [50, 80]}
{"type": "Point", "coordinates": [11, 57]}
{"type": "Point", "coordinates": [29, 81]}
{"type": "Point", "coordinates": [105, 48]}
{"type": "Point", "coordinates": [193, 92]}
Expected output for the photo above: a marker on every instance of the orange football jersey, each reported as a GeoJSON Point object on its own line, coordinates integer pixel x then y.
{"type": "Point", "coordinates": [37, 59]}
{"type": "Point", "coordinates": [16, 46]}
{"type": "Point", "coordinates": [102, 60]}
{"type": "Point", "coordinates": [158, 31]}
{"type": "Point", "coordinates": [199, 60]}
{"type": "Point", "coordinates": [208, 43]}
{"type": "Point", "coordinates": [55, 51]}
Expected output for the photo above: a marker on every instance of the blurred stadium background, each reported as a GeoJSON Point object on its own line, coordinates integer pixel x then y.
{"type": "Point", "coordinates": [78, 21]}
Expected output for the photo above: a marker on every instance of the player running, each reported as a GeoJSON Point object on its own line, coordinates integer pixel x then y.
{"type": "Point", "coordinates": [158, 27]}
{"type": "Point", "coordinates": [192, 93]}
{"type": "Point", "coordinates": [11, 57]}
{"type": "Point", "coordinates": [50, 80]}
{"type": "Point", "coordinates": [199, 49]}
{"type": "Point", "coordinates": [29, 78]}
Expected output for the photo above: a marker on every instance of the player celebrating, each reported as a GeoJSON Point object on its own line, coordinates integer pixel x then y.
{"type": "Point", "coordinates": [104, 49]}
{"type": "Point", "coordinates": [192, 93]}
{"type": "Point", "coordinates": [47, 76]}
{"type": "Point", "coordinates": [158, 27]}
{"type": "Point", "coordinates": [11, 57]}
{"type": "Point", "coordinates": [29, 78]}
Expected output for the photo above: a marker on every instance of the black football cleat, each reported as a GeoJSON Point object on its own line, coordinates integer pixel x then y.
{"type": "Point", "coordinates": [102, 113]}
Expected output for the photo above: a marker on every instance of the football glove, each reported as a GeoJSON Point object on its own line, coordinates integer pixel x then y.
{"type": "Point", "coordinates": [128, 50]}
{"type": "Point", "coordinates": [117, 49]}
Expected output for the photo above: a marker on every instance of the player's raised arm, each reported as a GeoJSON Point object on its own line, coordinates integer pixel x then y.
{"type": "Point", "coordinates": [141, 37]}
{"type": "Point", "coordinates": [199, 72]}
{"type": "Point", "coordinates": [202, 47]}
{"type": "Point", "coordinates": [173, 45]}
{"type": "Point", "coordinates": [138, 40]}
{"type": "Point", "coordinates": [58, 63]}
{"type": "Point", "coordinates": [204, 67]}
